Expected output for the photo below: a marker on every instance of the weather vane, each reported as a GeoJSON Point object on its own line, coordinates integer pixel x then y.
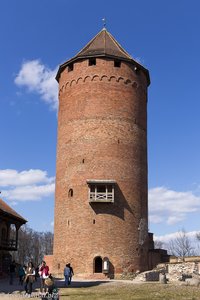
{"type": "Point", "coordinates": [104, 22]}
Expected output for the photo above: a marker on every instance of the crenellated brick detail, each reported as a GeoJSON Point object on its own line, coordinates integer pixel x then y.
{"type": "Point", "coordinates": [100, 78]}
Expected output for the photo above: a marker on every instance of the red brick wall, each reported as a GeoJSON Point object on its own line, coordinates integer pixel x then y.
{"type": "Point", "coordinates": [49, 261]}
{"type": "Point", "coordinates": [101, 135]}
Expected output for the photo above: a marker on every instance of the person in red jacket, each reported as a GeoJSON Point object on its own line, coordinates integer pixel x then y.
{"type": "Point", "coordinates": [44, 273]}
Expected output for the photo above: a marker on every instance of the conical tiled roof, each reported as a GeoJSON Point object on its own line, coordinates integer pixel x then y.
{"type": "Point", "coordinates": [103, 45]}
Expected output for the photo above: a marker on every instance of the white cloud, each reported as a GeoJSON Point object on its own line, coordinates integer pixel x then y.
{"type": "Point", "coordinates": [170, 236]}
{"type": "Point", "coordinates": [30, 192]}
{"type": "Point", "coordinates": [10, 177]}
{"type": "Point", "coordinates": [170, 206]}
{"type": "Point", "coordinates": [155, 218]}
{"type": "Point", "coordinates": [40, 79]}
{"type": "Point", "coordinates": [28, 185]}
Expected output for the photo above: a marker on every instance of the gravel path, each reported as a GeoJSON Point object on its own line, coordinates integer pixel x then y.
{"type": "Point", "coordinates": [16, 291]}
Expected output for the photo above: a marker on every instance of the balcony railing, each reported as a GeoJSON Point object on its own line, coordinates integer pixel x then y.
{"type": "Point", "coordinates": [101, 197]}
{"type": "Point", "coordinates": [8, 244]}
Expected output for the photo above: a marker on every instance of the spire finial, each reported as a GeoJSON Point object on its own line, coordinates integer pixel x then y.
{"type": "Point", "coordinates": [104, 23]}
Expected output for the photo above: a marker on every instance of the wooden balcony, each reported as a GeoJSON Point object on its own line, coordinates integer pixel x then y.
{"type": "Point", "coordinates": [101, 191]}
{"type": "Point", "coordinates": [101, 197]}
{"type": "Point", "coordinates": [9, 245]}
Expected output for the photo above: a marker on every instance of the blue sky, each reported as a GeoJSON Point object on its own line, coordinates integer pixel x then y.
{"type": "Point", "coordinates": [37, 36]}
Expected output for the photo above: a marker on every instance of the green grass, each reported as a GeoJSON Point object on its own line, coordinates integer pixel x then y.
{"type": "Point", "coordinates": [128, 291]}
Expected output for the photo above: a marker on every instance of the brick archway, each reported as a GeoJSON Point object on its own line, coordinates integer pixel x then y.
{"type": "Point", "coordinates": [98, 263]}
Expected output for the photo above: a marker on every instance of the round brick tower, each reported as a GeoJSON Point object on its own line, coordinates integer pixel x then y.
{"type": "Point", "coordinates": [101, 209]}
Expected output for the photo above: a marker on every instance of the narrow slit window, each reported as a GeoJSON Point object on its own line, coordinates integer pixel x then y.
{"type": "Point", "coordinates": [117, 63]}
{"type": "Point", "coordinates": [92, 61]}
{"type": "Point", "coordinates": [70, 67]}
{"type": "Point", "coordinates": [136, 69]}
{"type": "Point", "coordinates": [70, 193]}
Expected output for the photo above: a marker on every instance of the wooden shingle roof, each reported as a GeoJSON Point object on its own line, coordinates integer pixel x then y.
{"type": "Point", "coordinates": [6, 209]}
{"type": "Point", "coordinates": [103, 44]}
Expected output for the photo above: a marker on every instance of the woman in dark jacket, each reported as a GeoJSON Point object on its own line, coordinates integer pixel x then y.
{"type": "Point", "coordinates": [29, 278]}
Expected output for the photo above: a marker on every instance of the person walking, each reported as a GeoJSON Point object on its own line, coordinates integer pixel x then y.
{"type": "Point", "coordinates": [70, 274]}
{"type": "Point", "coordinates": [67, 274]}
{"type": "Point", "coordinates": [44, 274]}
{"type": "Point", "coordinates": [29, 279]}
{"type": "Point", "coordinates": [21, 273]}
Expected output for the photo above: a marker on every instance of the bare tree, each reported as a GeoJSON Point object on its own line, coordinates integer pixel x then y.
{"type": "Point", "coordinates": [198, 239]}
{"type": "Point", "coordinates": [181, 245]}
{"type": "Point", "coordinates": [198, 236]}
{"type": "Point", "coordinates": [158, 244]}
{"type": "Point", "coordinates": [32, 246]}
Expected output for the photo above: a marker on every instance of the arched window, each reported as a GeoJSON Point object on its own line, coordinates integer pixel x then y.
{"type": "Point", "coordinates": [70, 193]}
{"type": "Point", "coordinates": [98, 264]}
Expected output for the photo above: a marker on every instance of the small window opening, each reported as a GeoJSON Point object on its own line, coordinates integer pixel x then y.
{"type": "Point", "coordinates": [68, 223]}
{"type": "Point", "coordinates": [136, 69]}
{"type": "Point", "coordinates": [92, 61]}
{"type": "Point", "coordinates": [83, 160]}
{"type": "Point", "coordinates": [118, 141]}
{"type": "Point", "coordinates": [70, 67]}
{"type": "Point", "coordinates": [117, 63]}
{"type": "Point", "coordinates": [93, 221]}
{"type": "Point", "coordinates": [58, 266]}
{"type": "Point", "coordinates": [70, 193]}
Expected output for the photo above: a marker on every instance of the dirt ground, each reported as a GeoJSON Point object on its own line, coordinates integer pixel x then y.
{"type": "Point", "coordinates": [108, 290]}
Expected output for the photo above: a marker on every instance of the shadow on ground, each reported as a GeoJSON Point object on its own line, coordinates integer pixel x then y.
{"type": "Point", "coordinates": [16, 288]}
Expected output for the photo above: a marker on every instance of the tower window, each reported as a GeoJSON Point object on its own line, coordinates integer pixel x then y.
{"type": "Point", "coordinates": [70, 193]}
{"type": "Point", "coordinates": [92, 61]}
{"type": "Point", "coordinates": [136, 69]}
{"type": "Point", "coordinates": [117, 63]}
{"type": "Point", "coordinates": [70, 67]}
{"type": "Point", "coordinates": [101, 190]}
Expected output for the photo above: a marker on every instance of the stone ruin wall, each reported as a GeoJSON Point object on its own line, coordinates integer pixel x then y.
{"type": "Point", "coordinates": [176, 270]}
